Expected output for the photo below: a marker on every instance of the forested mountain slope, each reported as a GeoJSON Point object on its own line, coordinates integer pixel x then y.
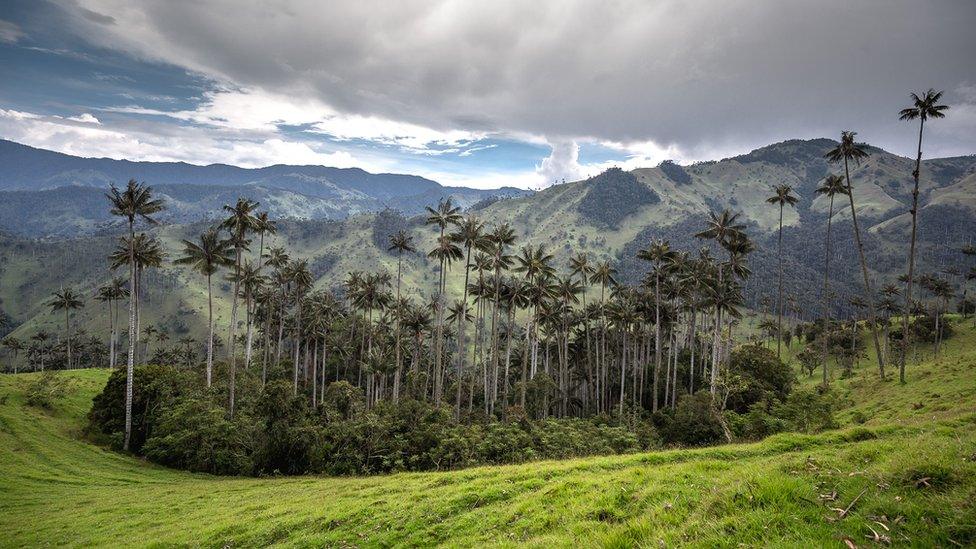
{"type": "Point", "coordinates": [610, 216]}
{"type": "Point", "coordinates": [44, 193]}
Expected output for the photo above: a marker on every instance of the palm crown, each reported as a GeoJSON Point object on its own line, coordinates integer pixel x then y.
{"type": "Point", "coordinates": [924, 107]}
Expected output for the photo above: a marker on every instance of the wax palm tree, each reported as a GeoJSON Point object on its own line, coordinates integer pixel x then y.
{"type": "Point", "coordinates": [445, 214]}
{"type": "Point", "coordinates": [15, 346]}
{"type": "Point", "coordinates": [847, 151]}
{"type": "Point", "coordinates": [251, 282]}
{"type": "Point", "coordinates": [470, 234]}
{"type": "Point", "coordinates": [445, 252]}
{"type": "Point", "coordinates": [301, 281]}
{"type": "Point", "coordinates": [401, 242]}
{"type": "Point", "coordinates": [722, 228]}
{"type": "Point", "coordinates": [657, 254]}
{"type": "Point", "coordinates": [782, 196]}
{"type": "Point", "coordinates": [239, 222]}
{"type": "Point", "coordinates": [500, 238]}
{"type": "Point", "coordinates": [147, 252]}
{"type": "Point", "coordinates": [112, 293]}
{"type": "Point", "coordinates": [923, 107]}
{"type": "Point", "coordinates": [133, 203]}
{"type": "Point", "coordinates": [207, 256]}
{"type": "Point", "coordinates": [40, 344]}
{"type": "Point", "coordinates": [832, 186]}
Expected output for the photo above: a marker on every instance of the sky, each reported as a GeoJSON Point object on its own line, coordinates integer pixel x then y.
{"type": "Point", "coordinates": [479, 94]}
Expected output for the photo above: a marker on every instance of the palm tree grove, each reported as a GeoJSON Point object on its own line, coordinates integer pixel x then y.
{"type": "Point", "coordinates": [357, 274]}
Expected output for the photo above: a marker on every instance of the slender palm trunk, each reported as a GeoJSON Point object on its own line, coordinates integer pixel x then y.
{"type": "Point", "coordinates": [130, 364]}
{"type": "Point", "coordinates": [869, 293]}
{"type": "Point", "coordinates": [657, 334]}
{"type": "Point", "coordinates": [399, 359]}
{"type": "Point", "coordinates": [210, 332]}
{"type": "Point", "coordinates": [826, 292]}
{"type": "Point", "coordinates": [779, 301]}
{"type": "Point", "coordinates": [67, 330]}
{"type": "Point", "coordinates": [905, 334]}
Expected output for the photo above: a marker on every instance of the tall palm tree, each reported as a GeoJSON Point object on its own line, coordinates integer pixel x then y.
{"type": "Point", "coordinates": [470, 235]}
{"type": "Point", "coordinates": [67, 300]}
{"type": "Point", "coordinates": [445, 214]}
{"type": "Point", "coordinates": [206, 256]}
{"type": "Point", "coordinates": [15, 346]}
{"type": "Point", "coordinates": [446, 252]}
{"type": "Point", "coordinates": [580, 265]}
{"type": "Point", "coordinates": [604, 275]}
{"type": "Point", "coordinates": [111, 293]}
{"type": "Point", "coordinates": [723, 228]}
{"type": "Point", "coordinates": [401, 242]}
{"type": "Point", "coordinates": [782, 196]}
{"type": "Point", "coordinates": [847, 151]}
{"type": "Point", "coordinates": [657, 254]}
{"type": "Point", "coordinates": [301, 281]}
{"type": "Point", "coordinates": [251, 282]}
{"type": "Point", "coordinates": [239, 222]}
{"type": "Point", "coordinates": [831, 187]}
{"type": "Point", "coordinates": [133, 203]}
{"type": "Point", "coordinates": [922, 108]}
{"type": "Point", "coordinates": [500, 238]}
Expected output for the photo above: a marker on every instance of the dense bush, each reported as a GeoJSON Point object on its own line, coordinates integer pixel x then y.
{"type": "Point", "coordinates": [694, 422]}
{"type": "Point", "coordinates": [763, 377]}
{"type": "Point", "coordinates": [154, 389]}
{"type": "Point", "coordinates": [176, 422]}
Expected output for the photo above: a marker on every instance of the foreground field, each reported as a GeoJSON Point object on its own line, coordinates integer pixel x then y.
{"type": "Point", "coordinates": [906, 476]}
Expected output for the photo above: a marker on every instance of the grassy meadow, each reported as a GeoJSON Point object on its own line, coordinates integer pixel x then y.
{"type": "Point", "coordinates": [904, 473]}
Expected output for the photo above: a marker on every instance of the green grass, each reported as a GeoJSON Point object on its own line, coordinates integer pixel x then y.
{"type": "Point", "coordinates": [58, 489]}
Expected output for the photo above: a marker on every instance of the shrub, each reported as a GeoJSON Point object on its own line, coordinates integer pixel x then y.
{"type": "Point", "coordinates": [154, 389]}
{"type": "Point", "coordinates": [694, 422]}
{"type": "Point", "coordinates": [46, 390]}
{"type": "Point", "coordinates": [763, 376]}
{"type": "Point", "coordinates": [195, 434]}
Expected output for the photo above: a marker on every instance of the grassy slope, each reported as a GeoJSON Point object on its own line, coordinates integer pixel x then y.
{"type": "Point", "coordinates": [58, 489]}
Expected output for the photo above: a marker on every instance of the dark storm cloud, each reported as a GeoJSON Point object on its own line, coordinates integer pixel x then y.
{"type": "Point", "coordinates": [698, 75]}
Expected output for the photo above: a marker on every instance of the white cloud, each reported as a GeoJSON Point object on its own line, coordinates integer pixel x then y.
{"type": "Point", "coordinates": [85, 136]}
{"type": "Point", "coordinates": [562, 164]}
{"type": "Point", "coordinates": [86, 118]}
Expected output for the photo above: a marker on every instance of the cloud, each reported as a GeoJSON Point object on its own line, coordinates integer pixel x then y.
{"type": "Point", "coordinates": [10, 33]}
{"type": "Point", "coordinates": [85, 136]}
{"type": "Point", "coordinates": [562, 164]}
{"type": "Point", "coordinates": [86, 118]}
{"type": "Point", "coordinates": [691, 74]}
{"type": "Point", "coordinates": [262, 111]}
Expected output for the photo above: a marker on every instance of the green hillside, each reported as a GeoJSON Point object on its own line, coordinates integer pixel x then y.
{"type": "Point", "coordinates": [906, 476]}
{"type": "Point", "coordinates": [672, 205]}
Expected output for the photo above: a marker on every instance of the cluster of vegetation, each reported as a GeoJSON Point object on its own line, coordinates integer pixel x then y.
{"type": "Point", "coordinates": [613, 195]}
{"type": "Point", "coordinates": [179, 422]}
{"type": "Point", "coordinates": [675, 172]}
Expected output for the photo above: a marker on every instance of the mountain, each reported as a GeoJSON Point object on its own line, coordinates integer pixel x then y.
{"type": "Point", "coordinates": [45, 193]}
{"type": "Point", "coordinates": [609, 216]}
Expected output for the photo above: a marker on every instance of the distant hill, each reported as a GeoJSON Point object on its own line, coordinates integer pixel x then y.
{"type": "Point", "coordinates": [647, 203]}
{"type": "Point", "coordinates": [45, 193]}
